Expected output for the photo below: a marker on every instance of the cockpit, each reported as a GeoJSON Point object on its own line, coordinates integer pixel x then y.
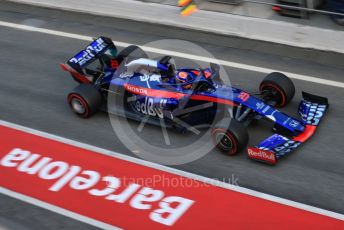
{"type": "Point", "coordinates": [200, 80]}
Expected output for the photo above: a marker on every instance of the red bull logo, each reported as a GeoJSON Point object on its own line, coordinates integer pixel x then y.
{"type": "Point", "coordinates": [261, 155]}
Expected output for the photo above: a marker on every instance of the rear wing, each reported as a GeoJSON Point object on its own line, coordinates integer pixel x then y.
{"type": "Point", "coordinates": [311, 109]}
{"type": "Point", "coordinates": [92, 52]}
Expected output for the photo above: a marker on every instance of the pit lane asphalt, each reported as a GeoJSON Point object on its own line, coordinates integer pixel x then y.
{"type": "Point", "coordinates": [33, 93]}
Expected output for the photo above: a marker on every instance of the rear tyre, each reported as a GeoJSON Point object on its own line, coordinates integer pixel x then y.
{"type": "Point", "coordinates": [85, 100]}
{"type": "Point", "coordinates": [229, 136]}
{"type": "Point", "coordinates": [281, 89]}
{"type": "Point", "coordinates": [131, 53]}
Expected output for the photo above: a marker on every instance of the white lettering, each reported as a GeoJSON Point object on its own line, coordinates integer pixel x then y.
{"type": "Point", "coordinates": [174, 213]}
{"type": "Point", "coordinates": [149, 108]}
{"type": "Point", "coordinates": [146, 195]}
{"type": "Point", "coordinates": [112, 184]}
{"type": "Point", "coordinates": [14, 155]}
{"type": "Point", "coordinates": [73, 171]}
{"type": "Point", "coordinates": [125, 194]}
{"type": "Point", "coordinates": [53, 170]}
{"type": "Point", "coordinates": [26, 166]}
{"type": "Point", "coordinates": [261, 154]}
{"type": "Point", "coordinates": [81, 183]}
{"type": "Point", "coordinates": [169, 210]}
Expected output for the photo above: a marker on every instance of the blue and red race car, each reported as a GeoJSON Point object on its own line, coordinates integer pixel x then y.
{"type": "Point", "coordinates": [188, 97]}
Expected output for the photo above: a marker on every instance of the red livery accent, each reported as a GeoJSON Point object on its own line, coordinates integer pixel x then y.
{"type": "Point", "coordinates": [196, 72]}
{"type": "Point", "coordinates": [75, 74]}
{"type": "Point", "coordinates": [165, 94]}
{"type": "Point", "coordinates": [276, 8]}
{"type": "Point", "coordinates": [261, 155]}
{"type": "Point", "coordinates": [207, 74]}
{"type": "Point", "coordinates": [305, 135]}
{"type": "Point", "coordinates": [114, 64]}
{"type": "Point", "coordinates": [244, 96]}
{"type": "Point", "coordinates": [212, 99]}
{"type": "Point", "coordinates": [152, 92]}
{"type": "Point", "coordinates": [64, 67]}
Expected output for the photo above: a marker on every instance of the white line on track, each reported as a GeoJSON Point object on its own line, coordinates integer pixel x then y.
{"type": "Point", "coordinates": [179, 54]}
{"type": "Point", "coordinates": [165, 169]}
{"type": "Point", "coordinates": [57, 209]}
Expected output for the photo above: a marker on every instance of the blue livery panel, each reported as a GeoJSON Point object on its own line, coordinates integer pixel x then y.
{"type": "Point", "coordinates": [287, 122]}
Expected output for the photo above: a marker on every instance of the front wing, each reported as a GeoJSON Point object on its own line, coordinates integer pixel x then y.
{"type": "Point", "coordinates": [312, 109]}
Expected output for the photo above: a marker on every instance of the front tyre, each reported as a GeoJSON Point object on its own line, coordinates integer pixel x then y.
{"type": "Point", "coordinates": [229, 136]}
{"type": "Point", "coordinates": [85, 100]}
{"type": "Point", "coordinates": [280, 88]}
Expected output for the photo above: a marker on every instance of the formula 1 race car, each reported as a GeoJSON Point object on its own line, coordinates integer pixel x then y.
{"type": "Point", "coordinates": [156, 89]}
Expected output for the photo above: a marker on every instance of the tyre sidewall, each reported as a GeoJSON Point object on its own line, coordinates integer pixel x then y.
{"type": "Point", "coordinates": [88, 96]}
{"type": "Point", "coordinates": [281, 84]}
{"type": "Point", "coordinates": [235, 131]}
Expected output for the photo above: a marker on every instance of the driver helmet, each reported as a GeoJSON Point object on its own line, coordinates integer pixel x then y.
{"type": "Point", "coordinates": [184, 77]}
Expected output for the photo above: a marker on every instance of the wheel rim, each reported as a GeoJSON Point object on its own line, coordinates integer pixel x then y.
{"type": "Point", "coordinates": [78, 106]}
{"type": "Point", "coordinates": [224, 141]}
{"type": "Point", "coordinates": [276, 92]}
